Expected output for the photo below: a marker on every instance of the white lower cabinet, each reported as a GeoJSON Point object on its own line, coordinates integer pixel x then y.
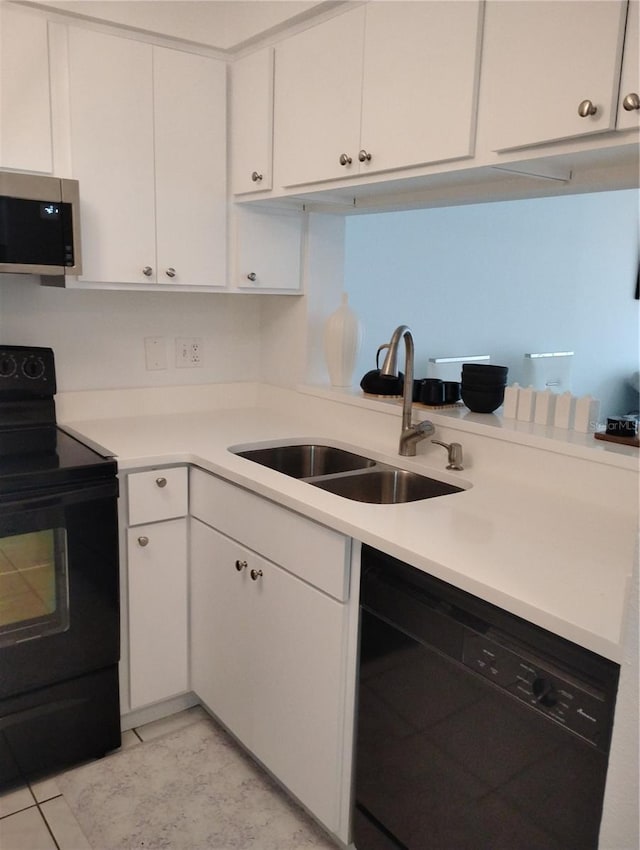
{"type": "Point", "coordinates": [158, 666]}
{"type": "Point", "coordinates": [268, 659]}
{"type": "Point", "coordinates": [156, 586]}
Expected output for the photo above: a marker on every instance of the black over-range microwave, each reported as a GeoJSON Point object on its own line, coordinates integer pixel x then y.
{"type": "Point", "coordinates": [39, 225]}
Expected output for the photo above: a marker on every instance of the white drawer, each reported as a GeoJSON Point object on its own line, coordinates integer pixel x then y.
{"type": "Point", "coordinates": [311, 551]}
{"type": "Point", "coordinates": [158, 494]}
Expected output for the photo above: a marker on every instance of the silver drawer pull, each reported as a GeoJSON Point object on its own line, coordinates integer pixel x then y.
{"type": "Point", "coordinates": [241, 565]}
{"type": "Point", "coordinates": [143, 541]}
{"type": "Point", "coordinates": [256, 574]}
{"type": "Point", "coordinates": [161, 482]}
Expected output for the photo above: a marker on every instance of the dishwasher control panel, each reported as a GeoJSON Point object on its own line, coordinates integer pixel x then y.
{"type": "Point", "coordinates": [583, 711]}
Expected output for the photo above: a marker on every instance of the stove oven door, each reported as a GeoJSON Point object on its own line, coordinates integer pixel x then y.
{"type": "Point", "coordinates": [58, 585]}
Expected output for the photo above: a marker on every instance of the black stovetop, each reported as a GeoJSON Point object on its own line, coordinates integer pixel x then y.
{"type": "Point", "coordinates": [35, 453]}
{"type": "Point", "coordinates": [62, 462]}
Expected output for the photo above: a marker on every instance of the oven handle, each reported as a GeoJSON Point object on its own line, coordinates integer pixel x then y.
{"type": "Point", "coordinates": [59, 497]}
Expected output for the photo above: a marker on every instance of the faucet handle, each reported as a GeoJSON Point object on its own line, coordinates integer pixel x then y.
{"type": "Point", "coordinates": [425, 428]}
{"type": "Point", "coordinates": [454, 454]}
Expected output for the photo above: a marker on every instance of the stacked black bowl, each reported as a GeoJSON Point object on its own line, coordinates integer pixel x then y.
{"type": "Point", "coordinates": [483, 386]}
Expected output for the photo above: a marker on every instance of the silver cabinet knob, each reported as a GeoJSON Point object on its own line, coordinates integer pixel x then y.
{"type": "Point", "coordinates": [252, 276]}
{"type": "Point", "coordinates": [161, 482]}
{"type": "Point", "coordinates": [255, 574]}
{"type": "Point", "coordinates": [143, 541]}
{"type": "Point", "coordinates": [256, 176]}
{"type": "Point", "coordinates": [345, 159]}
{"type": "Point", "coordinates": [147, 271]}
{"type": "Point", "coordinates": [170, 272]}
{"type": "Point", "coordinates": [587, 108]}
{"type": "Point", "coordinates": [364, 156]}
{"type": "Point", "coordinates": [631, 102]}
{"type": "Point", "coordinates": [241, 565]}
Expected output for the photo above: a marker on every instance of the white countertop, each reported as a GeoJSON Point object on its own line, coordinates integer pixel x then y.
{"type": "Point", "coordinates": [561, 563]}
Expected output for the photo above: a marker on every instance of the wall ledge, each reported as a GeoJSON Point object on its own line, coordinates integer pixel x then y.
{"type": "Point", "coordinates": [493, 425]}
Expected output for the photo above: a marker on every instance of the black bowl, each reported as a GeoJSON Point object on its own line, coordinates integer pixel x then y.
{"type": "Point", "coordinates": [480, 387]}
{"type": "Point", "coordinates": [485, 373]}
{"type": "Point", "coordinates": [483, 401]}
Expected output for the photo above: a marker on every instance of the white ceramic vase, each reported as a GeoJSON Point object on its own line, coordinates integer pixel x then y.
{"type": "Point", "coordinates": [342, 340]}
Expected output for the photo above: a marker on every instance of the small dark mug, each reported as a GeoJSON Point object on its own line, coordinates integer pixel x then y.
{"type": "Point", "coordinates": [432, 391]}
{"type": "Point", "coordinates": [451, 392]}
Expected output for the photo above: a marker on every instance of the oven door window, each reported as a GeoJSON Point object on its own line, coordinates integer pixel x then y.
{"type": "Point", "coordinates": [34, 586]}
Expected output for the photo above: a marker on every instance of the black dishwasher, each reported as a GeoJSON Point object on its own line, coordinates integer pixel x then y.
{"type": "Point", "coordinates": [476, 729]}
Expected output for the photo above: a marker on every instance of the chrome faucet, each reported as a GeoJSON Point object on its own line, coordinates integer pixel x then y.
{"type": "Point", "coordinates": [410, 434]}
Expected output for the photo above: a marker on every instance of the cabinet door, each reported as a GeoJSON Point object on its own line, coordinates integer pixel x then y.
{"type": "Point", "coordinates": [25, 108]}
{"type": "Point", "coordinates": [317, 101]}
{"type": "Point", "coordinates": [541, 61]}
{"type": "Point", "coordinates": [252, 122]}
{"type": "Point", "coordinates": [268, 250]}
{"type": "Point", "coordinates": [190, 163]}
{"type": "Point", "coordinates": [296, 655]}
{"type": "Point", "coordinates": [419, 94]}
{"type": "Point", "coordinates": [629, 84]}
{"type": "Point", "coordinates": [221, 629]}
{"type": "Point", "coordinates": [157, 580]}
{"type": "Point", "coordinates": [111, 108]}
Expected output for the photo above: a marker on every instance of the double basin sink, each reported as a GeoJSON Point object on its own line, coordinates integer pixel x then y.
{"type": "Point", "coordinates": [348, 474]}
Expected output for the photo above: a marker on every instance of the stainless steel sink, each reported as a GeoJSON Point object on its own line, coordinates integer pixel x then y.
{"type": "Point", "coordinates": [307, 461]}
{"type": "Point", "coordinates": [386, 486]}
{"type": "Point", "coordinates": [348, 474]}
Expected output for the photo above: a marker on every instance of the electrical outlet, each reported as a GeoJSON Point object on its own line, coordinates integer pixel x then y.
{"type": "Point", "coordinates": [188, 352]}
{"type": "Point", "coordinates": [155, 352]}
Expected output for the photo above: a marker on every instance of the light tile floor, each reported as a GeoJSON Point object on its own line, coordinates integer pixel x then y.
{"type": "Point", "coordinates": [37, 816]}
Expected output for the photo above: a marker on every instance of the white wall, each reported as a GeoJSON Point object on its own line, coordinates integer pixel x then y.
{"type": "Point", "coordinates": [98, 336]}
{"type": "Point", "coordinates": [292, 328]}
{"type": "Point", "coordinates": [551, 274]}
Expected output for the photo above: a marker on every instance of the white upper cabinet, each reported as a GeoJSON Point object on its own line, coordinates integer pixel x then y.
{"type": "Point", "coordinates": [25, 106]}
{"type": "Point", "coordinates": [550, 71]}
{"type": "Point", "coordinates": [629, 100]}
{"type": "Point", "coordinates": [419, 92]}
{"type": "Point", "coordinates": [318, 93]}
{"type": "Point", "coordinates": [388, 85]}
{"type": "Point", "coordinates": [268, 249]}
{"type": "Point", "coordinates": [252, 122]}
{"type": "Point", "coordinates": [111, 105]}
{"type": "Point", "coordinates": [148, 146]}
{"type": "Point", "coordinates": [191, 167]}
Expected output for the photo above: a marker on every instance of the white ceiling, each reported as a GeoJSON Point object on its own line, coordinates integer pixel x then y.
{"type": "Point", "coordinates": [223, 24]}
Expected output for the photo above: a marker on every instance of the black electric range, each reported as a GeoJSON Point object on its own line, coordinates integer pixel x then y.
{"type": "Point", "coordinates": [59, 580]}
